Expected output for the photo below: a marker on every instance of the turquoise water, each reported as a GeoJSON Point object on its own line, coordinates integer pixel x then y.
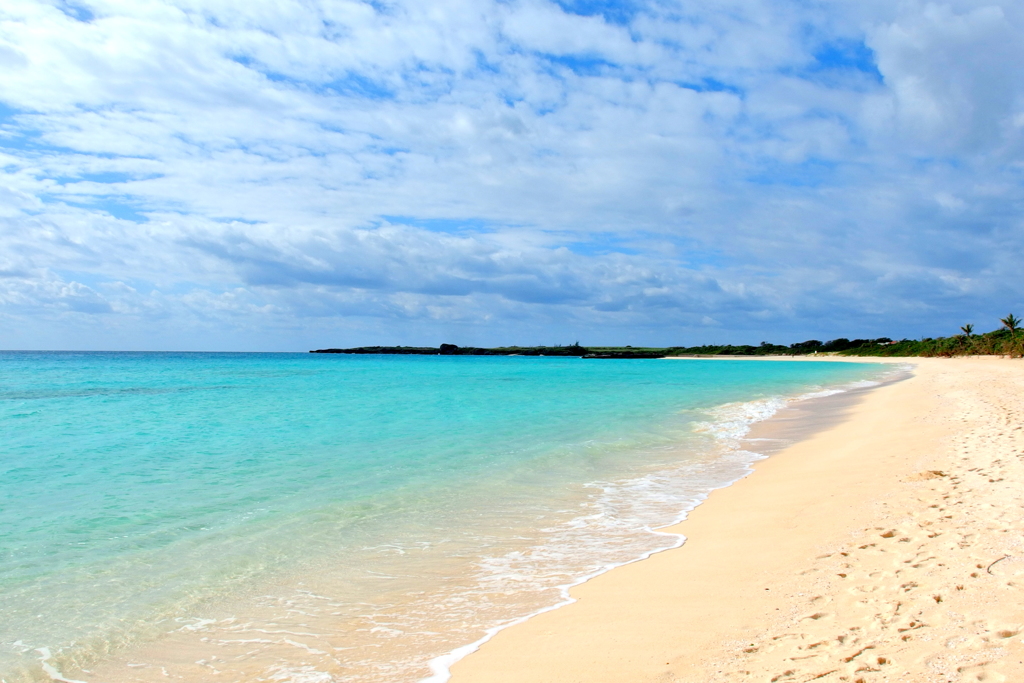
{"type": "Point", "coordinates": [147, 494]}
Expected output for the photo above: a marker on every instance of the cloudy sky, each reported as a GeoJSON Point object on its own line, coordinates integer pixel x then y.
{"type": "Point", "coordinates": [294, 174]}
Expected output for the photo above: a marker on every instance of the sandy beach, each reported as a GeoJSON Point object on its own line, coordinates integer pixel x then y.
{"type": "Point", "coordinates": [886, 547]}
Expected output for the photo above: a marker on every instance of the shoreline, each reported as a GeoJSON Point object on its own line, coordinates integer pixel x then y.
{"type": "Point", "coordinates": [753, 562]}
{"type": "Point", "coordinates": [803, 416]}
{"type": "Point", "coordinates": [230, 632]}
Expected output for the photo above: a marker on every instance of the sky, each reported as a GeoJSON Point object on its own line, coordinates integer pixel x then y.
{"type": "Point", "coordinates": [283, 175]}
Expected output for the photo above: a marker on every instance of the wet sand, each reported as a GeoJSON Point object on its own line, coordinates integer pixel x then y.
{"type": "Point", "coordinates": [884, 546]}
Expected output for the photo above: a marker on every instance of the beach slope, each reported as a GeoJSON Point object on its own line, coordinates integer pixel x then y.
{"type": "Point", "coordinates": [885, 548]}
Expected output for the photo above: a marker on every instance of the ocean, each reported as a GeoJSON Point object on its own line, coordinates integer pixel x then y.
{"type": "Point", "coordinates": [317, 518]}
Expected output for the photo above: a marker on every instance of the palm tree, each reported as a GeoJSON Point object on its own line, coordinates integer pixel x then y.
{"type": "Point", "coordinates": [1011, 322]}
{"type": "Point", "coordinates": [968, 330]}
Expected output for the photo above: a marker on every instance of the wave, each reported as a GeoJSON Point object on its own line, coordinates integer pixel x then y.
{"type": "Point", "coordinates": [631, 515]}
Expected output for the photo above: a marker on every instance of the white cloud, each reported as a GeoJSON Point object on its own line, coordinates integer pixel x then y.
{"type": "Point", "coordinates": [305, 169]}
{"type": "Point", "coordinates": [954, 76]}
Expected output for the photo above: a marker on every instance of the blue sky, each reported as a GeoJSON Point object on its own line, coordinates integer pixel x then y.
{"type": "Point", "coordinates": [288, 175]}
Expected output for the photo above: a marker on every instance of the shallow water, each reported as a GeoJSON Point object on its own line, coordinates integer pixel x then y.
{"type": "Point", "coordinates": [314, 518]}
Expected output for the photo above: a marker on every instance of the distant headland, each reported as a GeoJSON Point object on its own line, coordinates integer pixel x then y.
{"type": "Point", "coordinates": [1005, 341]}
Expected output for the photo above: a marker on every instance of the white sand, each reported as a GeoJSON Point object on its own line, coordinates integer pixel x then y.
{"type": "Point", "coordinates": [887, 548]}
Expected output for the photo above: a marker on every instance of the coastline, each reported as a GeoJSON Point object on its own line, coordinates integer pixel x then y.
{"type": "Point", "coordinates": [800, 417]}
{"type": "Point", "coordinates": [251, 632]}
{"type": "Point", "coordinates": [820, 556]}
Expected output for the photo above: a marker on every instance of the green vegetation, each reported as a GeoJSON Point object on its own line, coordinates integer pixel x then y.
{"type": "Point", "coordinates": [1002, 342]}
{"type": "Point", "coordinates": [1011, 322]}
{"type": "Point", "coordinates": [453, 350]}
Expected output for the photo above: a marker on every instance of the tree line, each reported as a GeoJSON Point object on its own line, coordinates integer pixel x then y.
{"type": "Point", "coordinates": [1004, 341]}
